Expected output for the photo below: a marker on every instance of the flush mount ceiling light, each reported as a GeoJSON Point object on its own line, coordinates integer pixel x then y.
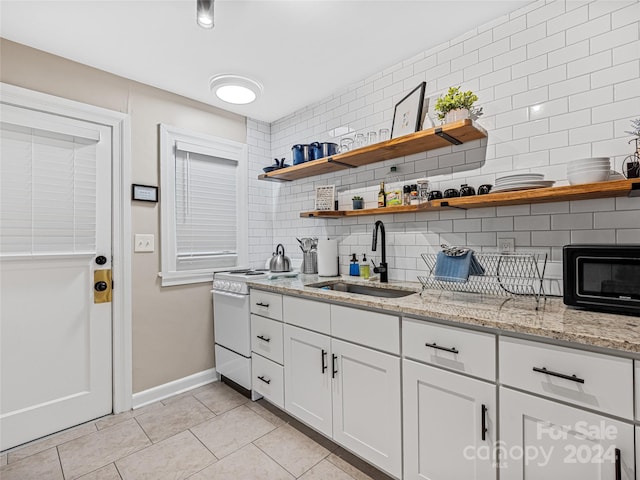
{"type": "Point", "coordinates": [204, 13]}
{"type": "Point", "coordinates": [235, 89]}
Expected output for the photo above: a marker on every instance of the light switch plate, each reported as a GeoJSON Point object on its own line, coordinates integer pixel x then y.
{"type": "Point", "coordinates": [144, 242]}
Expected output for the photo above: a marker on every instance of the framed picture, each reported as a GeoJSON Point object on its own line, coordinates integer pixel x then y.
{"type": "Point", "coordinates": [407, 115]}
{"type": "Point", "coordinates": [144, 193]}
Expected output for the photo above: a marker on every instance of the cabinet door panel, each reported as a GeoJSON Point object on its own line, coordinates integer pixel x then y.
{"type": "Point", "coordinates": [560, 441]}
{"type": "Point", "coordinates": [443, 425]}
{"type": "Point", "coordinates": [307, 388]}
{"type": "Point", "coordinates": [367, 405]}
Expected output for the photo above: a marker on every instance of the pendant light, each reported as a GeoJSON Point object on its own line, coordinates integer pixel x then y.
{"type": "Point", "coordinates": [204, 15]}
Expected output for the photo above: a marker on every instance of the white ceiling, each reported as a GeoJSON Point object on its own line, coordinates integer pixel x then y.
{"type": "Point", "coordinates": [300, 50]}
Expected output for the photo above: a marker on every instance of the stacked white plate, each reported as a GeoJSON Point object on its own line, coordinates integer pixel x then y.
{"type": "Point", "coordinates": [522, 181]}
{"type": "Point", "coordinates": [588, 170]}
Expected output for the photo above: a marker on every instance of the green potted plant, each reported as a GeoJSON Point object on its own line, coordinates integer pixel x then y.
{"type": "Point", "coordinates": [357, 202]}
{"type": "Point", "coordinates": [456, 105]}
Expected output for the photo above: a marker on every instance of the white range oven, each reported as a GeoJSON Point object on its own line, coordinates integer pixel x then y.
{"type": "Point", "coordinates": [232, 324]}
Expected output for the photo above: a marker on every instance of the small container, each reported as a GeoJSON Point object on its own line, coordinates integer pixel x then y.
{"type": "Point", "coordinates": [415, 199]}
{"type": "Point", "coordinates": [354, 268]}
{"type": "Point", "coordinates": [364, 267]}
{"type": "Point", "coordinates": [466, 190]}
{"type": "Point", "coordinates": [423, 189]}
{"type": "Point", "coordinates": [484, 189]}
{"type": "Point", "coordinates": [406, 195]}
{"type": "Point", "coordinates": [435, 195]}
{"type": "Point", "coordinates": [394, 197]}
{"type": "Point", "coordinates": [451, 193]}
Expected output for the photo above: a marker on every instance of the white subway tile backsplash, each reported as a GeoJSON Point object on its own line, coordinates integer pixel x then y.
{"type": "Point", "coordinates": [616, 74]}
{"type": "Point", "coordinates": [570, 19]}
{"type": "Point", "coordinates": [584, 31]}
{"type": "Point", "coordinates": [592, 63]}
{"type": "Point", "coordinates": [555, 85]}
{"type": "Point", "coordinates": [626, 15]}
{"type": "Point", "coordinates": [598, 9]}
{"type": "Point", "coordinates": [619, 219]}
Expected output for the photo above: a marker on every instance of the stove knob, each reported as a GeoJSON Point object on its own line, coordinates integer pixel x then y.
{"type": "Point", "coordinates": [217, 284]}
{"type": "Point", "coordinates": [237, 287]}
{"type": "Point", "coordinates": [225, 285]}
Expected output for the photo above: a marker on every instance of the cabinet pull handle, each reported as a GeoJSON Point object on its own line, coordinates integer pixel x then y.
{"type": "Point", "coordinates": [438, 347]}
{"type": "Point", "coordinates": [260, 304]}
{"type": "Point", "coordinates": [267, 381]}
{"type": "Point", "coordinates": [266, 339]}
{"type": "Point", "coordinates": [484, 422]}
{"type": "Point", "coordinates": [323, 359]}
{"type": "Point", "coordinates": [544, 370]}
{"type": "Point", "coordinates": [618, 465]}
{"type": "Point", "coordinates": [333, 366]}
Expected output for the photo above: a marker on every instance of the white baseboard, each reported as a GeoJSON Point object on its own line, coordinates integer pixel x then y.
{"type": "Point", "coordinates": [167, 390]}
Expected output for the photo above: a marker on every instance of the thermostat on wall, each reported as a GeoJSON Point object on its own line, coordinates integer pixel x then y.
{"type": "Point", "coordinates": [144, 193]}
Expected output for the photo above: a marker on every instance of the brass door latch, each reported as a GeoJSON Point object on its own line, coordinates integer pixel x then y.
{"type": "Point", "coordinates": [102, 284]}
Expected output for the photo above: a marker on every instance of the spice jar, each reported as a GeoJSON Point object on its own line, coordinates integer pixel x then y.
{"type": "Point", "coordinates": [415, 199]}
{"type": "Point", "coordinates": [423, 189]}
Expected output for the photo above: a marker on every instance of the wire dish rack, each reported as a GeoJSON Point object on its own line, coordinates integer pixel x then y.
{"type": "Point", "coordinates": [505, 274]}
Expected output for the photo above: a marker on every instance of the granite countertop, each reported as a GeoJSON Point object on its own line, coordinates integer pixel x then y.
{"type": "Point", "coordinates": [552, 320]}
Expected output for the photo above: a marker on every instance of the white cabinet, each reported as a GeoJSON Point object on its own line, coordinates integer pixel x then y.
{"type": "Point", "coordinates": [449, 425]}
{"type": "Point", "coordinates": [561, 442]}
{"type": "Point", "coordinates": [307, 377]}
{"type": "Point", "coordinates": [268, 379]}
{"type": "Point", "coordinates": [348, 392]}
{"type": "Point", "coordinates": [367, 405]}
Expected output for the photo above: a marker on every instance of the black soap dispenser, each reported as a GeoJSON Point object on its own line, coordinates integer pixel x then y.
{"type": "Point", "coordinates": [354, 268]}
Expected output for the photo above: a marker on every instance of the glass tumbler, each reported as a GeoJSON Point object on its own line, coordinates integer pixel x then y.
{"type": "Point", "coordinates": [359, 140]}
{"type": "Point", "coordinates": [383, 134]}
{"type": "Point", "coordinates": [372, 137]}
{"type": "Point", "coordinates": [346, 144]}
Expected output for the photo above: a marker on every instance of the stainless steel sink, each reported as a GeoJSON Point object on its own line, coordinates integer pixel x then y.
{"type": "Point", "coordinates": [362, 289]}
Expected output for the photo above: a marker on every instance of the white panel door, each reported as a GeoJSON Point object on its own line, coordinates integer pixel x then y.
{"type": "Point", "coordinates": [561, 442]}
{"type": "Point", "coordinates": [55, 221]}
{"type": "Point", "coordinates": [367, 406]}
{"type": "Point", "coordinates": [444, 417]}
{"type": "Point", "coordinates": [307, 370]}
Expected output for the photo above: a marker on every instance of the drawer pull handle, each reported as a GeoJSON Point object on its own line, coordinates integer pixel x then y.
{"type": "Point", "coordinates": [323, 359]}
{"type": "Point", "coordinates": [544, 370]}
{"type": "Point", "coordinates": [618, 465]}
{"type": "Point", "coordinates": [266, 339]}
{"type": "Point", "coordinates": [438, 347]}
{"type": "Point", "coordinates": [267, 381]}
{"type": "Point", "coordinates": [333, 366]}
{"type": "Point", "coordinates": [484, 422]}
{"type": "Point", "coordinates": [260, 304]}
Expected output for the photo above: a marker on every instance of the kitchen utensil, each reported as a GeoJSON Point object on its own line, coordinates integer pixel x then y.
{"type": "Point", "coordinates": [309, 262]}
{"type": "Point", "coordinates": [484, 189]}
{"type": "Point", "coordinates": [466, 190]}
{"type": "Point", "coordinates": [307, 244]}
{"type": "Point", "coordinates": [279, 261]}
{"type": "Point", "coordinates": [434, 195]}
{"type": "Point", "coordinates": [300, 153]}
{"type": "Point", "coordinates": [322, 149]}
{"type": "Point", "coordinates": [451, 193]}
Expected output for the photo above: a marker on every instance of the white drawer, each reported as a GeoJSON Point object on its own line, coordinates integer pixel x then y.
{"type": "Point", "coordinates": [307, 314]}
{"type": "Point", "coordinates": [266, 304]}
{"type": "Point", "coordinates": [268, 380]}
{"type": "Point", "coordinates": [266, 338]}
{"type": "Point", "coordinates": [454, 348]}
{"type": "Point", "coordinates": [601, 382]}
{"type": "Point", "coordinates": [375, 330]}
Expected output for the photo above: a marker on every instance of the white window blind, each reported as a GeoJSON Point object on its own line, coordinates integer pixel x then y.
{"type": "Point", "coordinates": [47, 192]}
{"type": "Point", "coordinates": [205, 210]}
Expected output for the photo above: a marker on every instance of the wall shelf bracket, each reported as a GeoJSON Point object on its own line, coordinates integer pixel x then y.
{"type": "Point", "coordinates": [635, 190]}
{"type": "Point", "coordinates": [348, 165]}
{"type": "Point", "coordinates": [438, 131]}
{"type": "Point", "coordinates": [446, 204]}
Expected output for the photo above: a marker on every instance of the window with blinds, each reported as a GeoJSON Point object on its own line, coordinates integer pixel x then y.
{"type": "Point", "coordinates": [205, 211]}
{"type": "Point", "coordinates": [203, 205]}
{"type": "Point", "coordinates": [47, 192]}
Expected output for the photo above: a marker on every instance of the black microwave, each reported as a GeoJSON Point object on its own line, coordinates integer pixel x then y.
{"type": "Point", "coordinates": [602, 277]}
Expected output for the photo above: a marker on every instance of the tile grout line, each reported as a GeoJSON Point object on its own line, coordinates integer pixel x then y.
{"type": "Point", "coordinates": [64, 477]}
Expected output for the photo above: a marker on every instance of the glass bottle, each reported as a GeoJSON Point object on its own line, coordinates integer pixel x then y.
{"type": "Point", "coordinates": [382, 196]}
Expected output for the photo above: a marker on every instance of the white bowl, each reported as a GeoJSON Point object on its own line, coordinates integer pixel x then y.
{"type": "Point", "coordinates": [589, 160]}
{"type": "Point", "coordinates": [587, 170]}
{"type": "Point", "coordinates": [589, 167]}
{"type": "Point", "coordinates": [588, 177]}
{"type": "Point", "coordinates": [585, 165]}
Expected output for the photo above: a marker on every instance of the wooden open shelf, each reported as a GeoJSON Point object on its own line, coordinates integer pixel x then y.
{"type": "Point", "coordinates": [454, 133]}
{"type": "Point", "coordinates": [615, 188]}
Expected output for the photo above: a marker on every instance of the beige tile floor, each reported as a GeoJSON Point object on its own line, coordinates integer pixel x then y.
{"type": "Point", "coordinates": [211, 432]}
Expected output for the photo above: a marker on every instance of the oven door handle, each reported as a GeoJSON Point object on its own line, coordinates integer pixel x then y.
{"type": "Point", "coordinates": [228, 294]}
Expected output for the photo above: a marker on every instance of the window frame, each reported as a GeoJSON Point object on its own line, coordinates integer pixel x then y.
{"type": "Point", "coordinates": [214, 146]}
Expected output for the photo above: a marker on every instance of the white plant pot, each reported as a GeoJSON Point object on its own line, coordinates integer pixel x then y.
{"type": "Point", "coordinates": [456, 115]}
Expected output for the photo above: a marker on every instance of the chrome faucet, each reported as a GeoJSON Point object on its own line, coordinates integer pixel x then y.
{"type": "Point", "coordinates": [382, 269]}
